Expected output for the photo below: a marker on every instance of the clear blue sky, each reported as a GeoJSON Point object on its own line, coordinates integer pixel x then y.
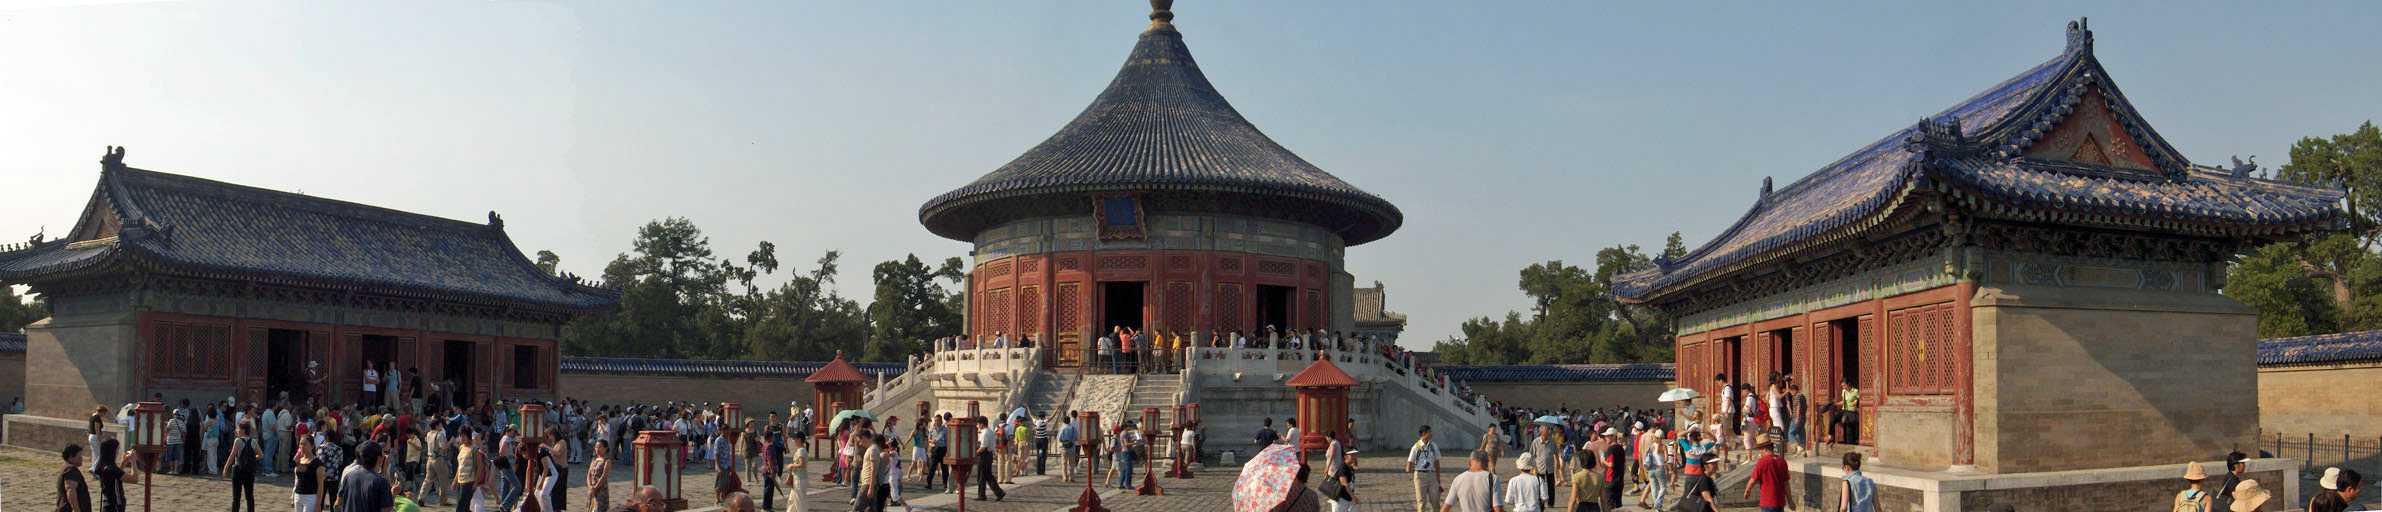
{"type": "Point", "coordinates": [1508, 132]}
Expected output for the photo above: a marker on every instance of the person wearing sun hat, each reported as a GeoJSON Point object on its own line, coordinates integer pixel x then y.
{"type": "Point", "coordinates": [2248, 496]}
{"type": "Point", "coordinates": [2192, 499]}
{"type": "Point", "coordinates": [2340, 489]}
{"type": "Point", "coordinates": [1526, 492]}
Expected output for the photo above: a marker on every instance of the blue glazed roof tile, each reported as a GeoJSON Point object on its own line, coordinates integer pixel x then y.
{"type": "Point", "coordinates": [2322, 348]}
{"type": "Point", "coordinates": [715, 368]}
{"type": "Point", "coordinates": [1633, 372]}
{"type": "Point", "coordinates": [12, 343]}
{"type": "Point", "coordinates": [209, 227]}
{"type": "Point", "coordinates": [1860, 188]}
{"type": "Point", "coordinates": [1161, 127]}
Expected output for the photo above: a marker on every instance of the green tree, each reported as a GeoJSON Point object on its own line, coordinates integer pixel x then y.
{"type": "Point", "coordinates": [805, 319]}
{"type": "Point", "coordinates": [2322, 283]}
{"type": "Point", "coordinates": [671, 298]}
{"type": "Point", "coordinates": [16, 312]}
{"type": "Point", "coordinates": [548, 261]}
{"type": "Point", "coordinates": [910, 307]}
{"type": "Point", "coordinates": [1575, 317]}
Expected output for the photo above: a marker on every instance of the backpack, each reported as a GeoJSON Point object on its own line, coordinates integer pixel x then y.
{"type": "Point", "coordinates": [2191, 501]}
{"type": "Point", "coordinates": [245, 459]}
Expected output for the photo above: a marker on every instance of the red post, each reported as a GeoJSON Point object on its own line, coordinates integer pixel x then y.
{"type": "Point", "coordinates": [1149, 470]}
{"type": "Point", "coordinates": [1087, 427]}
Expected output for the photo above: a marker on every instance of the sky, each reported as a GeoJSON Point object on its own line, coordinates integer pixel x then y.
{"type": "Point", "coordinates": [1508, 132]}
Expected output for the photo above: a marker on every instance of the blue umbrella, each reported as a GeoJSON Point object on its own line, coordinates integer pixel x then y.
{"type": "Point", "coordinates": [1549, 419]}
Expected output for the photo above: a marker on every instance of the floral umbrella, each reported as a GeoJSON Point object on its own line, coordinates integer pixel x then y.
{"type": "Point", "coordinates": [1266, 480]}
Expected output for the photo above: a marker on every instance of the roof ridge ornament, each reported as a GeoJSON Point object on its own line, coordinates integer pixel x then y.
{"type": "Point", "coordinates": [1766, 190]}
{"type": "Point", "coordinates": [2080, 35]}
{"type": "Point", "coordinates": [1941, 137]}
{"type": "Point", "coordinates": [113, 158]}
{"type": "Point", "coordinates": [496, 221]}
{"type": "Point", "coordinates": [1161, 13]}
{"type": "Point", "coordinates": [2243, 169]}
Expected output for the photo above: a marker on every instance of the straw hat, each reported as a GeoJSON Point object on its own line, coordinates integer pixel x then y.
{"type": "Point", "coordinates": [2193, 472]}
{"type": "Point", "coordinates": [1523, 463]}
{"type": "Point", "coordinates": [2331, 480]}
{"type": "Point", "coordinates": [2247, 496]}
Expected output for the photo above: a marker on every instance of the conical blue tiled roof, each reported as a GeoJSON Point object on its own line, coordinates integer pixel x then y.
{"type": "Point", "coordinates": [1162, 130]}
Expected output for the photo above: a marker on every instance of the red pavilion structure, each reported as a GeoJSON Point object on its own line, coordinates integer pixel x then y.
{"type": "Point", "coordinates": [1158, 208]}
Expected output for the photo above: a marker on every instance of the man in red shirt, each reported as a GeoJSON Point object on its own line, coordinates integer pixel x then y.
{"type": "Point", "coordinates": [1770, 474]}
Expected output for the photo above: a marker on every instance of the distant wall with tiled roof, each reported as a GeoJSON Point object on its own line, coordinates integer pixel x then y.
{"type": "Point", "coordinates": [12, 365]}
{"type": "Point", "coordinates": [2321, 348]}
{"type": "Point", "coordinates": [2316, 385]}
{"type": "Point", "coordinates": [1549, 386]}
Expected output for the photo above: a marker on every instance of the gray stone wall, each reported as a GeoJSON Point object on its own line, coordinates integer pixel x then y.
{"type": "Point", "coordinates": [2175, 374]}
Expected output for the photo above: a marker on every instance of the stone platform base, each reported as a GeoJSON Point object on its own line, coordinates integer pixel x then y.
{"type": "Point", "coordinates": [48, 434]}
{"type": "Point", "coordinates": [1819, 482]}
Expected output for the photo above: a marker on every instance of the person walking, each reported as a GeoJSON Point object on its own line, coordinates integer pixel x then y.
{"type": "Point", "coordinates": [439, 476]}
{"type": "Point", "coordinates": [1491, 443]}
{"type": "Point", "coordinates": [1654, 459]}
{"type": "Point", "coordinates": [1475, 490]}
{"type": "Point", "coordinates": [471, 470]}
{"type": "Point", "coordinates": [307, 480]}
{"type": "Point", "coordinates": [1526, 492]}
{"type": "Point", "coordinates": [1422, 466]}
{"type": "Point", "coordinates": [1770, 477]}
{"type": "Point", "coordinates": [111, 476]}
{"type": "Point", "coordinates": [2192, 498]}
{"type": "Point", "coordinates": [795, 477]}
{"type": "Point", "coordinates": [1341, 489]}
{"type": "Point", "coordinates": [984, 462]}
{"type": "Point", "coordinates": [1587, 486]}
{"type": "Point", "coordinates": [2235, 467]}
{"type": "Point", "coordinates": [599, 477]}
{"type": "Point", "coordinates": [1041, 443]}
{"type": "Point", "coordinates": [240, 465]}
{"type": "Point", "coordinates": [74, 495]}
{"type": "Point", "coordinates": [935, 453]}
{"type": "Point", "coordinates": [1067, 452]}
{"type": "Point", "coordinates": [771, 455]}
{"type": "Point", "coordinates": [2340, 489]}
{"type": "Point", "coordinates": [1860, 493]}
{"type": "Point", "coordinates": [361, 489]}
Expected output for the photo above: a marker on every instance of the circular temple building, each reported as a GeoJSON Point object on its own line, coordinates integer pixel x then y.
{"type": "Point", "coordinates": [1158, 208]}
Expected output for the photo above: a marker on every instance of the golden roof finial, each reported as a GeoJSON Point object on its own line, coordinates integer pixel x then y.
{"type": "Point", "coordinates": [1161, 13]}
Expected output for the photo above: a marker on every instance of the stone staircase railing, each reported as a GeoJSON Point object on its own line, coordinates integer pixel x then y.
{"type": "Point", "coordinates": [1277, 365]}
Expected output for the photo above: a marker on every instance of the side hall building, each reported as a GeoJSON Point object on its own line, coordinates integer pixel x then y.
{"type": "Point", "coordinates": [2013, 284]}
{"type": "Point", "coordinates": [197, 289]}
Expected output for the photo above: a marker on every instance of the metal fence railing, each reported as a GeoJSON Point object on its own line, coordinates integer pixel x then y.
{"type": "Point", "coordinates": [2318, 451]}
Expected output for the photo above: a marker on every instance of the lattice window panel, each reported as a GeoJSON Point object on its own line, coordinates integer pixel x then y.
{"type": "Point", "coordinates": [1229, 265]}
{"type": "Point", "coordinates": [1279, 268]}
{"type": "Point", "coordinates": [1178, 263]}
{"type": "Point", "coordinates": [1029, 266]}
{"type": "Point", "coordinates": [1228, 308]}
{"type": "Point", "coordinates": [1070, 264]}
{"type": "Point", "coordinates": [1179, 306]}
{"type": "Point", "coordinates": [1134, 262]}
{"type": "Point", "coordinates": [1313, 317]}
{"type": "Point", "coordinates": [1029, 310]}
{"type": "Point", "coordinates": [1922, 359]}
{"type": "Point", "coordinates": [191, 351]}
{"type": "Point", "coordinates": [1070, 307]}
{"type": "Point", "coordinates": [996, 311]}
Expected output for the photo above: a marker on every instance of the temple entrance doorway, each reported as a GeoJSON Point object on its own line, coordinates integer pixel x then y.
{"type": "Point", "coordinates": [1121, 305]}
{"type": "Point", "coordinates": [1782, 354]}
{"type": "Point", "coordinates": [1847, 334]}
{"type": "Point", "coordinates": [285, 364]}
{"type": "Point", "coordinates": [1273, 308]}
{"type": "Point", "coordinates": [456, 370]}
